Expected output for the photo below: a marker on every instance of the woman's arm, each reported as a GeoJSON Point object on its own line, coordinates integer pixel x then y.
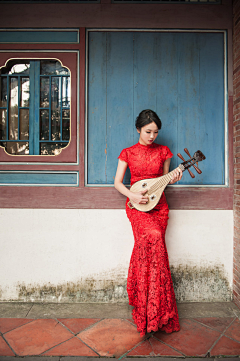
{"type": "Point", "coordinates": [118, 184]}
{"type": "Point", "coordinates": [177, 175]}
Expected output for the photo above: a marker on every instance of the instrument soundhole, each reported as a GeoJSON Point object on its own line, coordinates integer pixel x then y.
{"type": "Point", "coordinates": [153, 197]}
{"type": "Point", "coordinates": [144, 185]}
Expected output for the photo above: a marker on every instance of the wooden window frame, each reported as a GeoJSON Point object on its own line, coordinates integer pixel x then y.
{"type": "Point", "coordinates": [69, 153]}
{"type": "Point", "coordinates": [34, 108]}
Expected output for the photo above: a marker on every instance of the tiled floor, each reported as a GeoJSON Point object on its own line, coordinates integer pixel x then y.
{"type": "Point", "coordinates": [109, 337]}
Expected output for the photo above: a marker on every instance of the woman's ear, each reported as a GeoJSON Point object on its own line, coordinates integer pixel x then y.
{"type": "Point", "coordinates": [139, 130]}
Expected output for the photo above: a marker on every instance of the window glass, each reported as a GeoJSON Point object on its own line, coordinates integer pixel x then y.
{"type": "Point", "coordinates": [3, 98]}
{"type": "Point", "coordinates": [16, 67]}
{"type": "Point", "coordinates": [52, 67]}
{"type": "Point", "coordinates": [34, 107]}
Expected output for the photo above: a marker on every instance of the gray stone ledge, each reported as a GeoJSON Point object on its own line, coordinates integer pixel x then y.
{"type": "Point", "coordinates": [110, 310]}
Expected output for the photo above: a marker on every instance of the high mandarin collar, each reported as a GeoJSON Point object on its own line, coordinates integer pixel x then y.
{"type": "Point", "coordinates": [152, 145]}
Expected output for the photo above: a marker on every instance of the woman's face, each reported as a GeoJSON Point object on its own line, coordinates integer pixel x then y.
{"type": "Point", "coordinates": [148, 133]}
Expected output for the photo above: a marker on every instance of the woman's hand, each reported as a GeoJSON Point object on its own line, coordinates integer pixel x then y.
{"type": "Point", "coordinates": [176, 176]}
{"type": "Point", "coordinates": [139, 197]}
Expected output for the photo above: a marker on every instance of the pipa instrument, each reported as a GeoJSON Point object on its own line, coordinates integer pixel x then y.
{"type": "Point", "coordinates": [155, 186]}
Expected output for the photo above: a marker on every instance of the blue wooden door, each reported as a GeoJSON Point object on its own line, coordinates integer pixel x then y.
{"type": "Point", "coordinates": [178, 75]}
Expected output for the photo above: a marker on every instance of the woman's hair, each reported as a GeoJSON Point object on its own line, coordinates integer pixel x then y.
{"type": "Point", "coordinates": [147, 116]}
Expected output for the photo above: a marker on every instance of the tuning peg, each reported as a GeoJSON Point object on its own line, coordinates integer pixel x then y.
{"type": "Point", "coordinates": [196, 168]}
{"type": "Point", "coordinates": [181, 157]}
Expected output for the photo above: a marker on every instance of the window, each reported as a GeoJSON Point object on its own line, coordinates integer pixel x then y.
{"type": "Point", "coordinates": [34, 107]}
{"type": "Point", "coordinates": [180, 75]}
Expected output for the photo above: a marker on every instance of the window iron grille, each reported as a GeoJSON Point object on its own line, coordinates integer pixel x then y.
{"type": "Point", "coordinates": [34, 107]}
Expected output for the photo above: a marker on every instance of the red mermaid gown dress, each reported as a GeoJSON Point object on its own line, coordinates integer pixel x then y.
{"type": "Point", "coordinates": [149, 284]}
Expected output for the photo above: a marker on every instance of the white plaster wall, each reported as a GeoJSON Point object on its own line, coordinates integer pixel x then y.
{"type": "Point", "coordinates": [201, 238]}
{"type": "Point", "coordinates": [58, 246]}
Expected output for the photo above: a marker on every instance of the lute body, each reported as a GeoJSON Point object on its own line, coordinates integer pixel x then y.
{"type": "Point", "coordinates": [156, 186]}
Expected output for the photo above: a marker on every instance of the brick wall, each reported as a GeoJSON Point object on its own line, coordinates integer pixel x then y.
{"type": "Point", "coordinates": [236, 145]}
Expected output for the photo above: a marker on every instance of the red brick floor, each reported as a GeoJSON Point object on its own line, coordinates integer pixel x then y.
{"type": "Point", "coordinates": [198, 337]}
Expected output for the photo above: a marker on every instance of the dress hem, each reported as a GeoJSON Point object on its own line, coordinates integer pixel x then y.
{"type": "Point", "coordinates": [162, 324]}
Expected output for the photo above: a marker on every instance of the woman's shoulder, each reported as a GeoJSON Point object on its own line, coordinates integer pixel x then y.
{"type": "Point", "coordinates": [131, 148]}
{"type": "Point", "coordinates": [125, 153]}
{"type": "Point", "coordinates": [161, 147]}
{"type": "Point", "coordinates": [129, 152]}
{"type": "Point", "coordinates": [164, 150]}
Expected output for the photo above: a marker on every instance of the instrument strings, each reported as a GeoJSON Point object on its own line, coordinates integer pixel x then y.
{"type": "Point", "coordinates": [161, 182]}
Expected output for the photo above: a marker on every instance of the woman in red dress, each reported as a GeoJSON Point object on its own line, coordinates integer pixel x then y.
{"type": "Point", "coordinates": [149, 284]}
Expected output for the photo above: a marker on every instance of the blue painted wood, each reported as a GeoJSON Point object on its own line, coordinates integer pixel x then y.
{"type": "Point", "coordinates": [31, 107]}
{"type": "Point", "coordinates": [145, 72]}
{"type": "Point", "coordinates": [39, 178]}
{"type": "Point", "coordinates": [50, 109]}
{"type": "Point", "coordinates": [189, 107]}
{"type": "Point", "coordinates": [39, 36]}
{"type": "Point", "coordinates": [167, 91]}
{"type": "Point", "coordinates": [119, 134]}
{"type": "Point", "coordinates": [8, 95]}
{"type": "Point", "coordinates": [61, 105]}
{"type": "Point", "coordinates": [53, 141]}
{"type": "Point", "coordinates": [179, 75]}
{"type": "Point", "coordinates": [97, 107]}
{"type": "Point", "coordinates": [19, 97]}
{"type": "Point", "coordinates": [36, 120]}
{"type": "Point", "coordinates": [14, 140]}
{"type": "Point", "coordinates": [211, 130]}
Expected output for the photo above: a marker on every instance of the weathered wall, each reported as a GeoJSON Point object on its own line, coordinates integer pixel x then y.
{"type": "Point", "coordinates": [83, 255]}
{"type": "Point", "coordinates": [236, 142]}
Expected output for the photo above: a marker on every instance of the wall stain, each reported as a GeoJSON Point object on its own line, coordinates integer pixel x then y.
{"type": "Point", "coordinates": [191, 284]}
{"type": "Point", "coordinates": [88, 290]}
{"type": "Point", "coordinates": [199, 284]}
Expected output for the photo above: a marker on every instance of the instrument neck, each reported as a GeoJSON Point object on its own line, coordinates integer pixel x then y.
{"type": "Point", "coordinates": [170, 174]}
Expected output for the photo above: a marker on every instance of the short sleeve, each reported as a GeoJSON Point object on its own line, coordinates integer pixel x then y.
{"type": "Point", "coordinates": [168, 153]}
{"type": "Point", "coordinates": [123, 155]}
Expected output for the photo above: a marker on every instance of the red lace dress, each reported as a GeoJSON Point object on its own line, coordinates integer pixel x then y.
{"type": "Point", "coordinates": [149, 284]}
